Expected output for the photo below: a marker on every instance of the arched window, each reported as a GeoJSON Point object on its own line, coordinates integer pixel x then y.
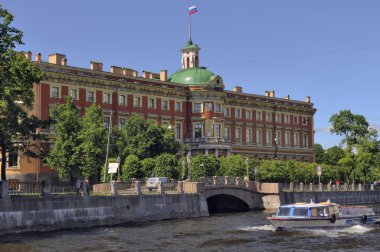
{"type": "Point", "coordinates": [187, 62]}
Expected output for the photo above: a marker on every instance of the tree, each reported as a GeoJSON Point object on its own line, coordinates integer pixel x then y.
{"type": "Point", "coordinates": [147, 166]}
{"type": "Point", "coordinates": [17, 75]}
{"type": "Point", "coordinates": [131, 168]}
{"type": "Point", "coordinates": [93, 142]}
{"type": "Point", "coordinates": [166, 166]}
{"type": "Point", "coordinates": [233, 166]}
{"type": "Point", "coordinates": [319, 152]}
{"type": "Point", "coordinates": [204, 166]}
{"type": "Point", "coordinates": [63, 155]}
{"type": "Point", "coordinates": [142, 138]}
{"type": "Point", "coordinates": [349, 125]}
{"type": "Point", "coordinates": [333, 155]}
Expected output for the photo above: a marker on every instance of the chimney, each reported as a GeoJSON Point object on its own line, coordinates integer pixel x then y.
{"type": "Point", "coordinates": [38, 57]}
{"type": "Point", "coordinates": [237, 89]}
{"type": "Point", "coordinates": [135, 73]}
{"type": "Point", "coordinates": [308, 99]}
{"type": "Point", "coordinates": [96, 66]}
{"type": "Point", "coordinates": [64, 62]}
{"type": "Point", "coordinates": [28, 55]}
{"type": "Point", "coordinates": [127, 71]}
{"type": "Point", "coordinates": [116, 70]}
{"type": "Point", "coordinates": [56, 58]}
{"type": "Point", "coordinates": [271, 93]}
{"type": "Point", "coordinates": [164, 75]}
{"type": "Point", "coordinates": [146, 75]}
{"type": "Point", "coordinates": [287, 97]}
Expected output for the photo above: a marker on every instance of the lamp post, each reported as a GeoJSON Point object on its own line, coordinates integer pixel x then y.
{"type": "Point", "coordinates": [246, 166]}
{"type": "Point", "coordinates": [275, 147]}
{"type": "Point", "coordinates": [189, 165]}
{"type": "Point", "coordinates": [118, 167]}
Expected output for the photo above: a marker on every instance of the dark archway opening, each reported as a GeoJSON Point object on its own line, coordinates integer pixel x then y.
{"type": "Point", "coordinates": [223, 203]}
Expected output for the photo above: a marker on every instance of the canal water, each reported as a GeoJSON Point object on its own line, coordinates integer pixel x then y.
{"type": "Point", "coordinates": [247, 231]}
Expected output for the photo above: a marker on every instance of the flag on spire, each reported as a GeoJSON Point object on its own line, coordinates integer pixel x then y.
{"type": "Point", "coordinates": [192, 10]}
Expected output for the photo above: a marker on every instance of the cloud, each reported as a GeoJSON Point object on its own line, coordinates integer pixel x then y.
{"type": "Point", "coordinates": [323, 130]}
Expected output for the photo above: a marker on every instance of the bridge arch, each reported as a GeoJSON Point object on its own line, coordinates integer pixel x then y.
{"type": "Point", "coordinates": [232, 199]}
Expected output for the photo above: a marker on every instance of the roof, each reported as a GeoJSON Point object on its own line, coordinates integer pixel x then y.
{"type": "Point", "coordinates": [192, 76]}
{"type": "Point", "coordinates": [190, 47]}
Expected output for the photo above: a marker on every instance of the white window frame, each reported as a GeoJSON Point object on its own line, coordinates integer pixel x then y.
{"type": "Point", "coordinates": [109, 99]}
{"type": "Point", "coordinates": [151, 105]}
{"type": "Point", "coordinates": [58, 92]}
{"type": "Point", "coordinates": [227, 133]}
{"type": "Point", "coordinates": [238, 134]}
{"type": "Point", "coordinates": [197, 107]}
{"type": "Point", "coordinates": [259, 116]}
{"type": "Point", "coordinates": [218, 130]}
{"type": "Point", "coordinates": [121, 123]}
{"type": "Point", "coordinates": [178, 130]}
{"type": "Point", "coordinates": [165, 105]}
{"type": "Point", "coordinates": [179, 107]}
{"type": "Point", "coordinates": [218, 108]}
{"type": "Point", "coordinates": [268, 137]}
{"type": "Point", "coordinates": [248, 114]}
{"type": "Point", "coordinates": [122, 101]}
{"type": "Point", "coordinates": [74, 93]}
{"type": "Point", "coordinates": [226, 112]}
{"type": "Point", "coordinates": [17, 161]}
{"type": "Point", "coordinates": [287, 138]}
{"type": "Point", "coordinates": [268, 117]}
{"type": "Point", "coordinates": [259, 136]}
{"type": "Point", "coordinates": [137, 101]}
{"type": "Point", "coordinates": [237, 113]}
{"type": "Point", "coordinates": [304, 120]}
{"type": "Point", "coordinates": [248, 137]}
{"type": "Point", "coordinates": [296, 138]}
{"type": "Point", "coordinates": [93, 95]}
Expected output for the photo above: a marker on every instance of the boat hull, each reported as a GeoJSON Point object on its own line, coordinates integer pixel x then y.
{"type": "Point", "coordinates": [283, 223]}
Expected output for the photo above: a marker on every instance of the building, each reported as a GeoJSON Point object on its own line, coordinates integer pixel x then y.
{"type": "Point", "coordinates": [193, 101]}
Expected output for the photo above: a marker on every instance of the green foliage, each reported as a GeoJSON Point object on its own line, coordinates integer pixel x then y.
{"type": "Point", "coordinates": [233, 166]}
{"type": "Point", "coordinates": [147, 166]}
{"type": "Point", "coordinates": [204, 166]}
{"type": "Point", "coordinates": [319, 152]}
{"type": "Point", "coordinates": [63, 155]}
{"type": "Point", "coordinates": [17, 76]}
{"type": "Point", "coordinates": [349, 125]}
{"type": "Point", "coordinates": [131, 168]}
{"type": "Point", "coordinates": [142, 138]}
{"type": "Point", "coordinates": [166, 166]}
{"type": "Point", "coordinates": [333, 155]}
{"type": "Point", "coordinates": [93, 142]}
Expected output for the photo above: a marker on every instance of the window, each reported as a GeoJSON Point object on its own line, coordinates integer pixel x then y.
{"type": "Point", "coordinates": [304, 120]}
{"type": "Point", "coordinates": [287, 138]}
{"type": "Point", "coordinates": [54, 92]}
{"type": "Point", "coordinates": [198, 130]}
{"type": "Point", "coordinates": [178, 131]}
{"type": "Point", "coordinates": [208, 106]}
{"type": "Point", "coordinates": [165, 105]}
{"type": "Point", "coordinates": [305, 140]}
{"type": "Point", "coordinates": [259, 116]}
{"type": "Point", "coordinates": [249, 136]}
{"type": "Point", "coordinates": [287, 119]}
{"type": "Point", "coordinates": [74, 94]}
{"type": "Point", "coordinates": [218, 108]}
{"type": "Point", "coordinates": [197, 107]}
{"type": "Point", "coordinates": [269, 117]}
{"type": "Point", "coordinates": [218, 130]}
{"type": "Point", "coordinates": [226, 112]}
{"type": "Point", "coordinates": [178, 106]}
{"type": "Point", "coordinates": [296, 138]}
{"type": "Point", "coordinates": [122, 122]}
{"type": "Point", "coordinates": [90, 96]}
{"type": "Point", "coordinates": [278, 137]}
{"type": "Point", "coordinates": [106, 98]}
{"type": "Point", "coordinates": [238, 134]}
{"type": "Point", "coordinates": [259, 136]}
{"type": "Point", "coordinates": [248, 114]}
{"type": "Point", "coordinates": [295, 119]}
{"type": "Point", "coordinates": [13, 157]}
{"type": "Point", "coordinates": [137, 102]}
{"type": "Point", "coordinates": [121, 99]}
{"type": "Point", "coordinates": [227, 133]}
{"type": "Point", "coordinates": [151, 103]}
{"type": "Point", "coordinates": [268, 138]}
{"type": "Point", "coordinates": [106, 122]}
{"type": "Point", "coordinates": [237, 113]}
{"type": "Point", "coordinates": [278, 118]}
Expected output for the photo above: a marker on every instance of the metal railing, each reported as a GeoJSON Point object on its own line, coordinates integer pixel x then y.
{"type": "Point", "coordinates": [301, 187]}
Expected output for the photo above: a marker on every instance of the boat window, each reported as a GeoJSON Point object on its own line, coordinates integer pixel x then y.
{"type": "Point", "coordinates": [283, 211]}
{"type": "Point", "coordinates": [300, 211]}
{"type": "Point", "coordinates": [320, 211]}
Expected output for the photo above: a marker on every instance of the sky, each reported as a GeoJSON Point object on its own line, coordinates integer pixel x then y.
{"type": "Point", "coordinates": [326, 49]}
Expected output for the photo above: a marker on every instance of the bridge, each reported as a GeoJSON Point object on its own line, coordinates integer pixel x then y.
{"type": "Point", "coordinates": [229, 194]}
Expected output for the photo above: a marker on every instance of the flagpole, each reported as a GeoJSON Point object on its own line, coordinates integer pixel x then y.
{"type": "Point", "coordinates": [190, 27]}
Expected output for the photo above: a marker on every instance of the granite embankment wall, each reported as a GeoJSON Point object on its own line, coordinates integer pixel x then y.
{"type": "Point", "coordinates": [43, 214]}
{"type": "Point", "coordinates": [340, 197]}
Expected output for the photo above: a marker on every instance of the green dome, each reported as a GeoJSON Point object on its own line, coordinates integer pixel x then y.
{"type": "Point", "coordinates": [192, 76]}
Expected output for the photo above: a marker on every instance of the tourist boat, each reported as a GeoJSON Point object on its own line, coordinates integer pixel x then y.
{"type": "Point", "coordinates": [321, 215]}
